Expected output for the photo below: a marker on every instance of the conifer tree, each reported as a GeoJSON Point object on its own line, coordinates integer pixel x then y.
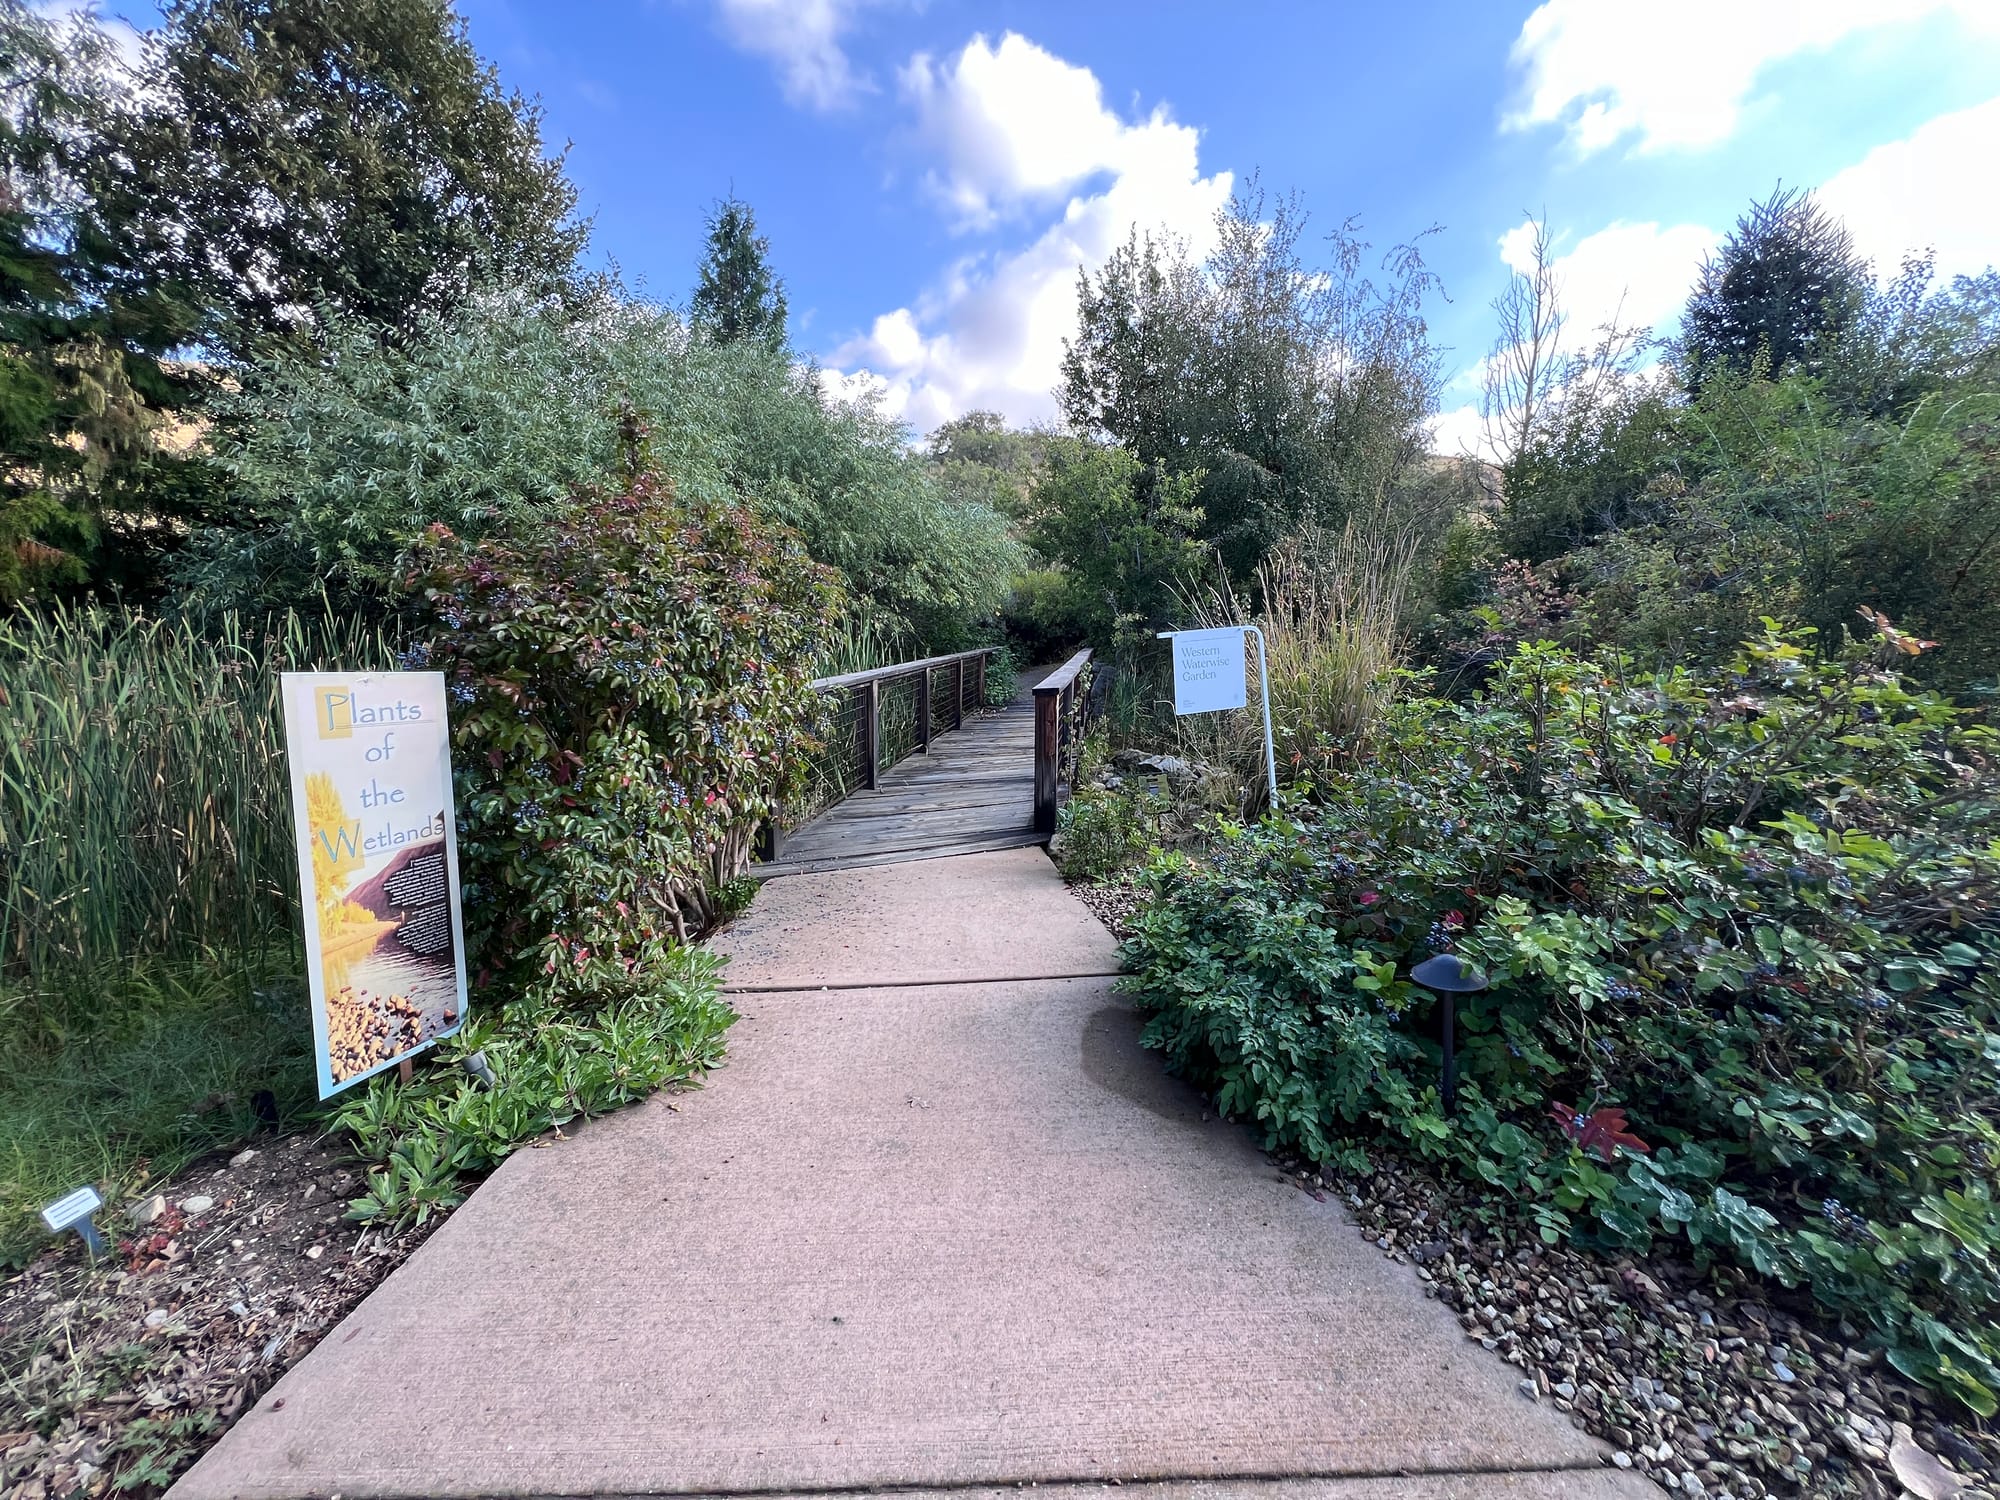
{"type": "Point", "coordinates": [1785, 280]}
{"type": "Point", "coordinates": [738, 299]}
{"type": "Point", "coordinates": [83, 386]}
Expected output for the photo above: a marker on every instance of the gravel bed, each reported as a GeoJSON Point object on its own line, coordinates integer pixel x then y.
{"type": "Point", "coordinates": [1694, 1378]}
{"type": "Point", "coordinates": [1114, 903]}
{"type": "Point", "coordinates": [121, 1374]}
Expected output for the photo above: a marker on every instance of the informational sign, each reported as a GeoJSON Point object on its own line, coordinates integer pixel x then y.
{"type": "Point", "coordinates": [1208, 670]}
{"type": "Point", "coordinates": [378, 866]}
{"type": "Point", "coordinates": [1209, 677]}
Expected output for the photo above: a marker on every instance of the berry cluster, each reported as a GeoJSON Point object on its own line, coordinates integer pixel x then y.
{"type": "Point", "coordinates": [1848, 1224]}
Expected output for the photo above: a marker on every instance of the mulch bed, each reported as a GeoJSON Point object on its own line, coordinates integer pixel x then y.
{"type": "Point", "coordinates": [123, 1373]}
{"type": "Point", "coordinates": [1114, 903]}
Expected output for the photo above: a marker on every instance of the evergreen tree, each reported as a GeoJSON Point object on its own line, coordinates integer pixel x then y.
{"type": "Point", "coordinates": [83, 386]}
{"type": "Point", "coordinates": [352, 154]}
{"type": "Point", "coordinates": [1785, 281]}
{"type": "Point", "coordinates": [738, 299]}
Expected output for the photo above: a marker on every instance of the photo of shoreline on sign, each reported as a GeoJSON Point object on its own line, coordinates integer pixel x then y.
{"type": "Point", "coordinates": [386, 954]}
{"type": "Point", "coordinates": [371, 781]}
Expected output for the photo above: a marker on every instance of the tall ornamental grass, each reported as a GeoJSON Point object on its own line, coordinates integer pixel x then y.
{"type": "Point", "coordinates": [1332, 604]}
{"type": "Point", "coordinates": [144, 803]}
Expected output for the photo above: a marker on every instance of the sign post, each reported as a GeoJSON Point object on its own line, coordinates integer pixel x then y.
{"type": "Point", "coordinates": [378, 866]}
{"type": "Point", "coordinates": [1208, 678]}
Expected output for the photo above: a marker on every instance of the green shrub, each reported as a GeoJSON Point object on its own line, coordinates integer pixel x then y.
{"type": "Point", "coordinates": [487, 419]}
{"type": "Point", "coordinates": [1740, 928]}
{"type": "Point", "coordinates": [1099, 834]}
{"type": "Point", "coordinates": [631, 699]}
{"type": "Point", "coordinates": [1003, 677]}
{"type": "Point", "coordinates": [1043, 616]}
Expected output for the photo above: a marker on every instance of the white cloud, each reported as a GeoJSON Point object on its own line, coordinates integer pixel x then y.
{"type": "Point", "coordinates": [1016, 124]}
{"type": "Point", "coordinates": [1459, 431]}
{"type": "Point", "coordinates": [1019, 129]}
{"type": "Point", "coordinates": [1637, 275]}
{"type": "Point", "coordinates": [1678, 75]}
{"type": "Point", "coordinates": [1921, 192]}
{"type": "Point", "coordinates": [803, 38]}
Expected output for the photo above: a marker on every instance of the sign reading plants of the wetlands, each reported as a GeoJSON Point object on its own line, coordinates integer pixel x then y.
{"type": "Point", "coordinates": [378, 866]}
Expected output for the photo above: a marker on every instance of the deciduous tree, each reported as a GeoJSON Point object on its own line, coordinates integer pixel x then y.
{"type": "Point", "coordinates": [356, 155]}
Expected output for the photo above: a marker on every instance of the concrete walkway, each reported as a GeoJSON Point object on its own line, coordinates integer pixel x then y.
{"type": "Point", "coordinates": [939, 1225]}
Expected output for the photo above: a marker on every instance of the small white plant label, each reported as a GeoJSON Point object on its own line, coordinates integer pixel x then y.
{"type": "Point", "coordinates": [71, 1208]}
{"type": "Point", "coordinates": [1208, 670]}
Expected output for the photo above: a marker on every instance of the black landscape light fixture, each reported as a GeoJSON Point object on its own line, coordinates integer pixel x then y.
{"type": "Point", "coordinates": [1450, 976]}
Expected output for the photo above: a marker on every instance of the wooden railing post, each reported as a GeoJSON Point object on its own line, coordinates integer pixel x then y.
{"type": "Point", "coordinates": [924, 710]}
{"type": "Point", "coordinates": [1055, 701]}
{"type": "Point", "coordinates": [871, 733]}
{"type": "Point", "coordinates": [979, 685]}
{"type": "Point", "coordinates": [958, 694]}
{"type": "Point", "coordinates": [1048, 707]}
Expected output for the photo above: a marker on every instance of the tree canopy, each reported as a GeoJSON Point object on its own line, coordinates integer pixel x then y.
{"type": "Point", "coordinates": [354, 155]}
{"type": "Point", "coordinates": [1785, 280]}
{"type": "Point", "coordinates": [84, 388]}
{"type": "Point", "coordinates": [1296, 390]}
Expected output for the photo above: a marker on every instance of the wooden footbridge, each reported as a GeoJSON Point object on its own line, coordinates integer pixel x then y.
{"type": "Point", "coordinates": [917, 767]}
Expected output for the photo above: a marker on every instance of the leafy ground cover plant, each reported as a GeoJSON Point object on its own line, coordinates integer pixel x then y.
{"type": "Point", "coordinates": [511, 1076]}
{"type": "Point", "coordinates": [1739, 927]}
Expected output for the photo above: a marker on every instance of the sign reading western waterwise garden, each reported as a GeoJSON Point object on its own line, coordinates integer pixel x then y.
{"type": "Point", "coordinates": [1209, 677]}
{"type": "Point", "coordinates": [1208, 670]}
{"type": "Point", "coordinates": [378, 866]}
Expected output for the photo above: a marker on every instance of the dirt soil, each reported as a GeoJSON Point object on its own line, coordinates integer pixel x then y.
{"type": "Point", "coordinates": [120, 1374]}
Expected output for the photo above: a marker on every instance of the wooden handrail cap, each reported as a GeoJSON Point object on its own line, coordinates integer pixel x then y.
{"type": "Point", "coordinates": [1064, 675]}
{"type": "Point", "coordinates": [901, 669]}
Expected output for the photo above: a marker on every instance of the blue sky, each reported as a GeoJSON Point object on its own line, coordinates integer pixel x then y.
{"type": "Point", "coordinates": [932, 172]}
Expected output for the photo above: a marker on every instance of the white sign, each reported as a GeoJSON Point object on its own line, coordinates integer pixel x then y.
{"type": "Point", "coordinates": [378, 866]}
{"type": "Point", "coordinates": [1208, 670]}
{"type": "Point", "coordinates": [71, 1208]}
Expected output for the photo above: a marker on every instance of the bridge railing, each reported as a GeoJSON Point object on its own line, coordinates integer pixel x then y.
{"type": "Point", "coordinates": [876, 718]}
{"type": "Point", "coordinates": [1066, 704]}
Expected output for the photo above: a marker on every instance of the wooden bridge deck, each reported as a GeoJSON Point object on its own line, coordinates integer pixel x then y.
{"type": "Point", "coordinates": [974, 790]}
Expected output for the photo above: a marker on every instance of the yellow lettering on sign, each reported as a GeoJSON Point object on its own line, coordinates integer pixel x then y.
{"type": "Point", "coordinates": [335, 713]}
